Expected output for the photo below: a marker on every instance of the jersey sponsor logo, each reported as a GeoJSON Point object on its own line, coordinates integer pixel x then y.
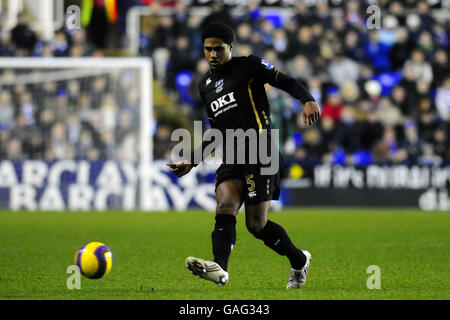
{"type": "Point", "coordinates": [208, 81]}
{"type": "Point", "coordinates": [222, 101]}
{"type": "Point", "coordinates": [266, 64]}
{"type": "Point", "coordinates": [252, 194]}
{"type": "Point", "coordinates": [219, 86]}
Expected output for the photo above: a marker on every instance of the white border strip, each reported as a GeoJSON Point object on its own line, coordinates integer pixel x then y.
{"type": "Point", "coordinates": [63, 63]}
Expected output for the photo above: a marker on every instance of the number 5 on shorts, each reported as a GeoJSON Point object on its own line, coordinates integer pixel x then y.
{"type": "Point", "coordinates": [250, 182]}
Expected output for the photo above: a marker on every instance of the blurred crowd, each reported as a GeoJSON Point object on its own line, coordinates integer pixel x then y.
{"type": "Point", "coordinates": [384, 91]}
{"type": "Point", "coordinates": [87, 117]}
{"type": "Point", "coordinates": [91, 116]}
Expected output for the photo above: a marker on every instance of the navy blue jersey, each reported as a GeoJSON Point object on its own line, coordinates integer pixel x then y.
{"type": "Point", "coordinates": [235, 97]}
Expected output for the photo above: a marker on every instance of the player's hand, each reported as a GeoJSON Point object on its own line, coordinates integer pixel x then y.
{"type": "Point", "coordinates": [180, 168]}
{"type": "Point", "coordinates": [311, 113]}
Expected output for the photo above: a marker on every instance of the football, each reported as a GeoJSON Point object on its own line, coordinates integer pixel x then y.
{"type": "Point", "coordinates": [94, 260]}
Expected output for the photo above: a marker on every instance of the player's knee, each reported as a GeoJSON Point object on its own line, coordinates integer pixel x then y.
{"type": "Point", "coordinates": [227, 207]}
{"type": "Point", "coordinates": [255, 226]}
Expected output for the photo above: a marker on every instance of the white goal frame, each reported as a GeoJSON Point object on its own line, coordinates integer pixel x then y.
{"type": "Point", "coordinates": [146, 112]}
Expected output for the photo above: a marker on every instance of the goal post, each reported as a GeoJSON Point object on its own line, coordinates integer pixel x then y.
{"type": "Point", "coordinates": [126, 78]}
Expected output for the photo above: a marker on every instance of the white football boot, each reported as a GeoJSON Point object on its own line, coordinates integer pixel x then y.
{"type": "Point", "coordinates": [208, 270]}
{"type": "Point", "coordinates": [298, 277]}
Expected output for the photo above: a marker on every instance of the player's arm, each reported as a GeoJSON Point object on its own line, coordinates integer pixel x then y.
{"type": "Point", "coordinates": [269, 74]}
{"type": "Point", "coordinates": [311, 110]}
{"type": "Point", "coordinates": [183, 167]}
{"type": "Point", "coordinates": [180, 168]}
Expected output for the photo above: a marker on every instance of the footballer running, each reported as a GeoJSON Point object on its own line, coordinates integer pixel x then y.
{"type": "Point", "coordinates": [238, 84]}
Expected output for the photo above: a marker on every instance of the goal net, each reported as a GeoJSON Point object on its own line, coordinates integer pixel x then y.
{"type": "Point", "coordinates": [75, 134]}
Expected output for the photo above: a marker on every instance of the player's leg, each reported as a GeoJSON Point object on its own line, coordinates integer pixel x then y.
{"type": "Point", "coordinates": [274, 236]}
{"type": "Point", "coordinates": [261, 189]}
{"type": "Point", "coordinates": [229, 200]}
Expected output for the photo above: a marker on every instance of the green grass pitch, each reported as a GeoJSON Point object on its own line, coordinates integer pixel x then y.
{"type": "Point", "coordinates": [411, 248]}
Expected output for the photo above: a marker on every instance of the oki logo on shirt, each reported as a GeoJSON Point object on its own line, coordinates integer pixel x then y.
{"type": "Point", "coordinates": [224, 100]}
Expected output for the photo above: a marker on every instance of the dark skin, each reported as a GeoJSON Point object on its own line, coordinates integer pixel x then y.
{"type": "Point", "coordinates": [230, 193]}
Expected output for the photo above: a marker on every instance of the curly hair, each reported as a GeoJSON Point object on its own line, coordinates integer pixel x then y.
{"type": "Point", "coordinates": [218, 30]}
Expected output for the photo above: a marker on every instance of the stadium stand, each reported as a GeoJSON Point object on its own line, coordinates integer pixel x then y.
{"type": "Point", "coordinates": [384, 93]}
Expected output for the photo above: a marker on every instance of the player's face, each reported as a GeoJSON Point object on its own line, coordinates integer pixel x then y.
{"type": "Point", "coordinates": [216, 52]}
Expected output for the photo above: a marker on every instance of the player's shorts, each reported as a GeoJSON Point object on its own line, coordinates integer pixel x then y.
{"type": "Point", "coordinates": [258, 188]}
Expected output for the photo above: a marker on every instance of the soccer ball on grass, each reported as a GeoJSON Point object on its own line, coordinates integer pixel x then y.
{"type": "Point", "coordinates": [94, 260]}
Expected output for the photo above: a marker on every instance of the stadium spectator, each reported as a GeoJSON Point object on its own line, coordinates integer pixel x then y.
{"type": "Point", "coordinates": [333, 106]}
{"type": "Point", "coordinates": [305, 44]}
{"type": "Point", "coordinates": [348, 130]}
{"type": "Point", "coordinates": [343, 69]}
{"type": "Point", "coordinates": [282, 115]}
{"type": "Point", "coordinates": [299, 68]}
{"type": "Point", "coordinates": [353, 48]}
{"type": "Point", "coordinates": [428, 157]}
{"type": "Point", "coordinates": [399, 98]}
{"type": "Point", "coordinates": [280, 43]}
{"type": "Point", "coordinates": [371, 130]}
{"type": "Point", "coordinates": [385, 150]}
{"type": "Point", "coordinates": [23, 37]}
{"type": "Point", "coordinates": [59, 148]}
{"type": "Point", "coordinates": [443, 100]}
{"type": "Point", "coordinates": [6, 110]}
{"type": "Point", "coordinates": [440, 36]}
{"type": "Point", "coordinates": [323, 14]}
{"type": "Point", "coordinates": [412, 144]}
{"type": "Point", "coordinates": [163, 36]}
{"type": "Point", "coordinates": [423, 10]}
{"type": "Point", "coordinates": [440, 67]}
{"type": "Point", "coordinates": [60, 45]}
{"type": "Point", "coordinates": [14, 150]}
{"type": "Point", "coordinates": [303, 16]}
{"type": "Point", "coordinates": [401, 49]}
{"type": "Point", "coordinates": [328, 132]}
{"type": "Point", "coordinates": [312, 147]}
{"type": "Point", "coordinates": [220, 13]}
{"type": "Point", "coordinates": [440, 142]}
{"type": "Point", "coordinates": [257, 44]}
{"type": "Point", "coordinates": [251, 14]}
{"type": "Point", "coordinates": [201, 68]}
{"type": "Point", "coordinates": [353, 16]}
{"type": "Point", "coordinates": [180, 60]}
{"type": "Point", "coordinates": [243, 33]}
{"type": "Point", "coordinates": [6, 45]}
{"type": "Point", "coordinates": [426, 118]}
{"type": "Point", "coordinates": [4, 140]}
{"type": "Point", "coordinates": [84, 144]}
{"type": "Point", "coordinates": [417, 67]}
{"type": "Point", "coordinates": [397, 9]}
{"type": "Point", "coordinates": [377, 52]}
{"type": "Point", "coordinates": [388, 114]}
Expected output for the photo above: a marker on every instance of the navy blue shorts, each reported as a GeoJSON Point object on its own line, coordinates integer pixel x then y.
{"type": "Point", "coordinates": [259, 188]}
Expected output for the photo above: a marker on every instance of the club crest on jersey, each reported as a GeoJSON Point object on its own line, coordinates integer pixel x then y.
{"type": "Point", "coordinates": [267, 64]}
{"type": "Point", "coordinates": [219, 86]}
